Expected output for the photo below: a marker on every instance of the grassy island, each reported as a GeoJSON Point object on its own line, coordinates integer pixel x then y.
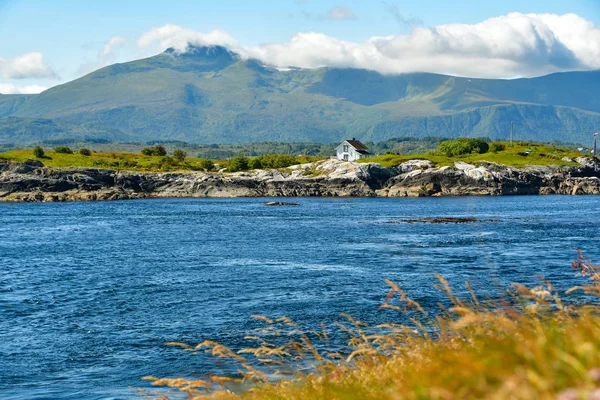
{"type": "Point", "coordinates": [516, 155]}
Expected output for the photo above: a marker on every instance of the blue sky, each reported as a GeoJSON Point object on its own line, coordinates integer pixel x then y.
{"type": "Point", "coordinates": [71, 34]}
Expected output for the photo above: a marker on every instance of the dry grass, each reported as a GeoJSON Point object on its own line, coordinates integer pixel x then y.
{"type": "Point", "coordinates": [531, 345]}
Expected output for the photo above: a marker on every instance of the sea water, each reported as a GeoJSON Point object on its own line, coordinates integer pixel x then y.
{"type": "Point", "coordinates": [91, 292]}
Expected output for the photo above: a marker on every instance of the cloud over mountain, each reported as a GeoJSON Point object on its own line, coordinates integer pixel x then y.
{"type": "Point", "coordinates": [514, 45]}
{"type": "Point", "coordinates": [29, 65]}
{"type": "Point", "coordinates": [177, 37]}
{"type": "Point", "coordinates": [106, 55]}
{"type": "Point", "coordinates": [9, 88]}
{"type": "Point", "coordinates": [111, 45]}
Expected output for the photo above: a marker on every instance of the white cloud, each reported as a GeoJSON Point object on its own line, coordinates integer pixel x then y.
{"type": "Point", "coordinates": [178, 38]}
{"type": "Point", "coordinates": [113, 44]}
{"type": "Point", "coordinates": [340, 13]}
{"type": "Point", "coordinates": [106, 56]}
{"type": "Point", "coordinates": [504, 47]}
{"type": "Point", "coordinates": [29, 65]}
{"type": "Point", "coordinates": [9, 88]}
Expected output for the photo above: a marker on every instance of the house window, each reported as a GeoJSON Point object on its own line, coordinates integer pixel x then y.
{"type": "Point", "coordinates": [345, 148]}
{"type": "Point", "coordinates": [345, 157]}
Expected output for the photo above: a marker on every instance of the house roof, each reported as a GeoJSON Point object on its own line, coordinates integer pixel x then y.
{"type": "Point", "coordinates": [357, 144]}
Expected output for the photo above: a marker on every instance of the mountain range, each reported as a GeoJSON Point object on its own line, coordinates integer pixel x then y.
{"type": "Point", "coordinates": [212, 95]}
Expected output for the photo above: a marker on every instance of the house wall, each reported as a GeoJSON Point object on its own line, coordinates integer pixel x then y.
{"type": "Point", "coordinates": [352, 154]}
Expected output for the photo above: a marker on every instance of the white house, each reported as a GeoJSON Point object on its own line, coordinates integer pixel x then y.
{"type": "Point", "coordinates": [351, 150]}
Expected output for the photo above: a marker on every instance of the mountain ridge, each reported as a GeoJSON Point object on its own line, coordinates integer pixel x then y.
{"type": "Point", "coordinates": [213, 95]}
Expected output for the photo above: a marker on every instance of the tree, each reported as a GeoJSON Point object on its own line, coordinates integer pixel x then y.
{"type": "Point", "coordinates": [85, 152]}
{"type": "Point", "coordinates": [207, 164]}
{"type": "Point", "coordinates": [154, 151]}
{"type": "Point", "coordinates": [179, 155]}
{"type": "Point", "coordinates": [239, 163]}
{"type": "Point", "coordinates": [63, 150]}
{"type": "Point", "coordinates": [255, 163]}
{"type": "Point", "coordinates": [457, 147]}
{"type": "Point", "coordinates": [38, 152]}
{"type": "Point", "coordinates": [496, 147]}
{"type": "Point", "coordinates": [160, 151]}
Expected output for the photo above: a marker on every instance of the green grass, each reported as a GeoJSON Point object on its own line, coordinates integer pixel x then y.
{"type": "Point", "coordinates": [539, 154]}
{"type": "Point", "coordinates": [127, 161]}
{"type": "Point", "coordinates": [123, 161]}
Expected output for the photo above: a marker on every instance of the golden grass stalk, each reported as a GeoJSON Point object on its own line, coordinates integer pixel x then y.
{"type": "Point", "coordinates": [529, 346]}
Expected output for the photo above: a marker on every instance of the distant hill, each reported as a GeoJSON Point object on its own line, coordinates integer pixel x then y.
{"type": "Point", "coordinates": [211, 95]}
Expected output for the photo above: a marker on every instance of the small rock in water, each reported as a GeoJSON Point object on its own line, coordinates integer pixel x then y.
{"type": "Point", "coordinates": [443, 220]}
{"type": "Point", "coordinates": [279, 204]}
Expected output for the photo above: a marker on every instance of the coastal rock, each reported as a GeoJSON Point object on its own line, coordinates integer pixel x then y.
{"type": "Point", "coordinates": [31, 181]}
{"type": "Point", "coordinates": [280, 204]}
{"type": "Point", "coordinates": [588, 162]}
{"type": "Point", "coordinates": [412, 165]}
{"type": "Point", "coordinates": [492, 179]}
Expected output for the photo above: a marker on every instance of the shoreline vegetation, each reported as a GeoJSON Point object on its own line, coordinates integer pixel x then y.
{"type": "Point", "coordinates": [460, 167]}
{"type": "Point", "coordinates": [534, 343]}
{"type": "Point", "coordinates": [156, 158]}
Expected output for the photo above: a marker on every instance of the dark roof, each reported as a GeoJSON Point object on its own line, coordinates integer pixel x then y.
{"type": "Point", "coordinates": [358, 145]}
{"type": "Point", "coordinates": [365, 152]}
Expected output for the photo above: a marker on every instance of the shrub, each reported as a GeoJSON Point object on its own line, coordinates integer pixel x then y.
{"type": "Point", "coordinates": [457, 147]}
{"type": "Point", "coordinates": [278, 161]}
{"type": "Point", "coordinates": [85, 152]}
{"type": "Point", "coordinates": [154, 151]}
{"type": "Point", "coordinates": [207, 164]}
{"type": "Point", "coordinates": [255, 163]}
{"type": "Point", "coordinates": [160, 151]}
{"type": "Point", "coordinates": [239, 163]}
{"type": "Point", "coordinates": [63, 150]}
{"type": "Point", "coordinates": [38, 152]}
{"type": "Point", "coordinates": [496, 147]}
{"type": "Point", "coordinates": [179, 155]}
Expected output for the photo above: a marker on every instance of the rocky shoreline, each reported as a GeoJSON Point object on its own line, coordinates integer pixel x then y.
{"type": "Point", "coordinates": [33, 182]}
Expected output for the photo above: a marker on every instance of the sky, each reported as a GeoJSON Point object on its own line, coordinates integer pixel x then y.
{"type": "Point", "coordinates": [46, 43]}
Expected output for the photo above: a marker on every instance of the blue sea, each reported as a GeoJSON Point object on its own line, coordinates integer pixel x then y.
{"type": "Point", "coordinates": [91, 292]}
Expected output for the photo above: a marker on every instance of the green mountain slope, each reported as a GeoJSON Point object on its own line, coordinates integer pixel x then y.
{"type": "Point", "coordinates": [211, 95]}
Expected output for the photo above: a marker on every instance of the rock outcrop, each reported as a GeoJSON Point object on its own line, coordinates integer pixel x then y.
{"type": "Point", "coordinates": [31, 181]}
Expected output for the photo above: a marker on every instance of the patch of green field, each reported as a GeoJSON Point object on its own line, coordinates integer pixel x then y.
{"type": "Point", "coordinates": [110, 160]}
{"type": "Point", "coordinates": [520, 155]}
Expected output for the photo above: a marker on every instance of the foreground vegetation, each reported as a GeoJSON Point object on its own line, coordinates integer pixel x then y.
{"type": "Point", "coordinates": [531, 345]}
{"type": "Point", "coordinates": [518, 155]}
